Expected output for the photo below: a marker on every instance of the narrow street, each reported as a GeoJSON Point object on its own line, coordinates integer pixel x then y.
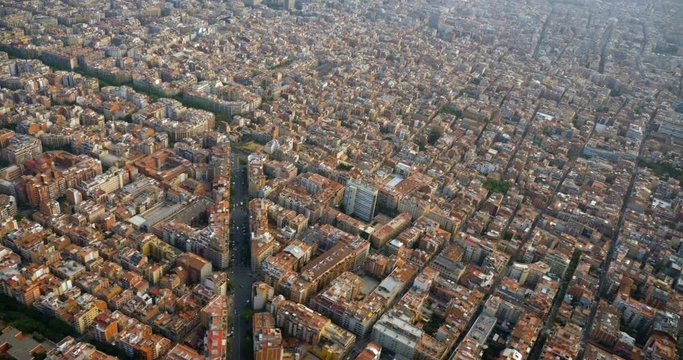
{"type": "Point", "coordinates": [240, 273]}
{"type": "Point", "coordinates": [527, 236]}
{"type": "Point", "coordinates": [607, 37]}
{"type": "Point", "coordinates": [537, 348]}
{"type": "Point", "coordinates": [544, 31]}
{"type": "Point", "coordinates": [611, 251]}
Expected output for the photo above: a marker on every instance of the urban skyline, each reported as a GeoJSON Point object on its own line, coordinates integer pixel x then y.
{"type": "Point", "coordinates": [341, 179]}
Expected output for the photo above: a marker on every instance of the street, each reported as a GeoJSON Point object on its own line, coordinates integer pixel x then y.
{"type": "Point", "coordinates": [611, 250]}
{"type": "Point", "coordinates": [240, 273]}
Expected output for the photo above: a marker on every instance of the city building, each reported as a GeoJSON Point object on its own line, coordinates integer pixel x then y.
{"type": "Point", "coordinates": [268, 343]}
{"type": "Point", "coordinates": [360, 199]}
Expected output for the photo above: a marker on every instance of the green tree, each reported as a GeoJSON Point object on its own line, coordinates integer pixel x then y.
{"type": "Point", "coordinates": [434, 135]}
{"type": "Point", "coordinates": [448, 109]}
{"type": "Point", "coordinates": [435, 321]}
{"type": "Point", "coordinates": [247, 313]}
{"type": "Point", "coordinates": [496, 186]}
{"type": "Point", "coordinates": [421, 143]}
{"type": "Point", "coordinates": [663, 169]}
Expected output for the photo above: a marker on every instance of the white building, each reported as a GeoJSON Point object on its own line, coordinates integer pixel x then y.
{"type": "Point", "coordinates": [360, 199]}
